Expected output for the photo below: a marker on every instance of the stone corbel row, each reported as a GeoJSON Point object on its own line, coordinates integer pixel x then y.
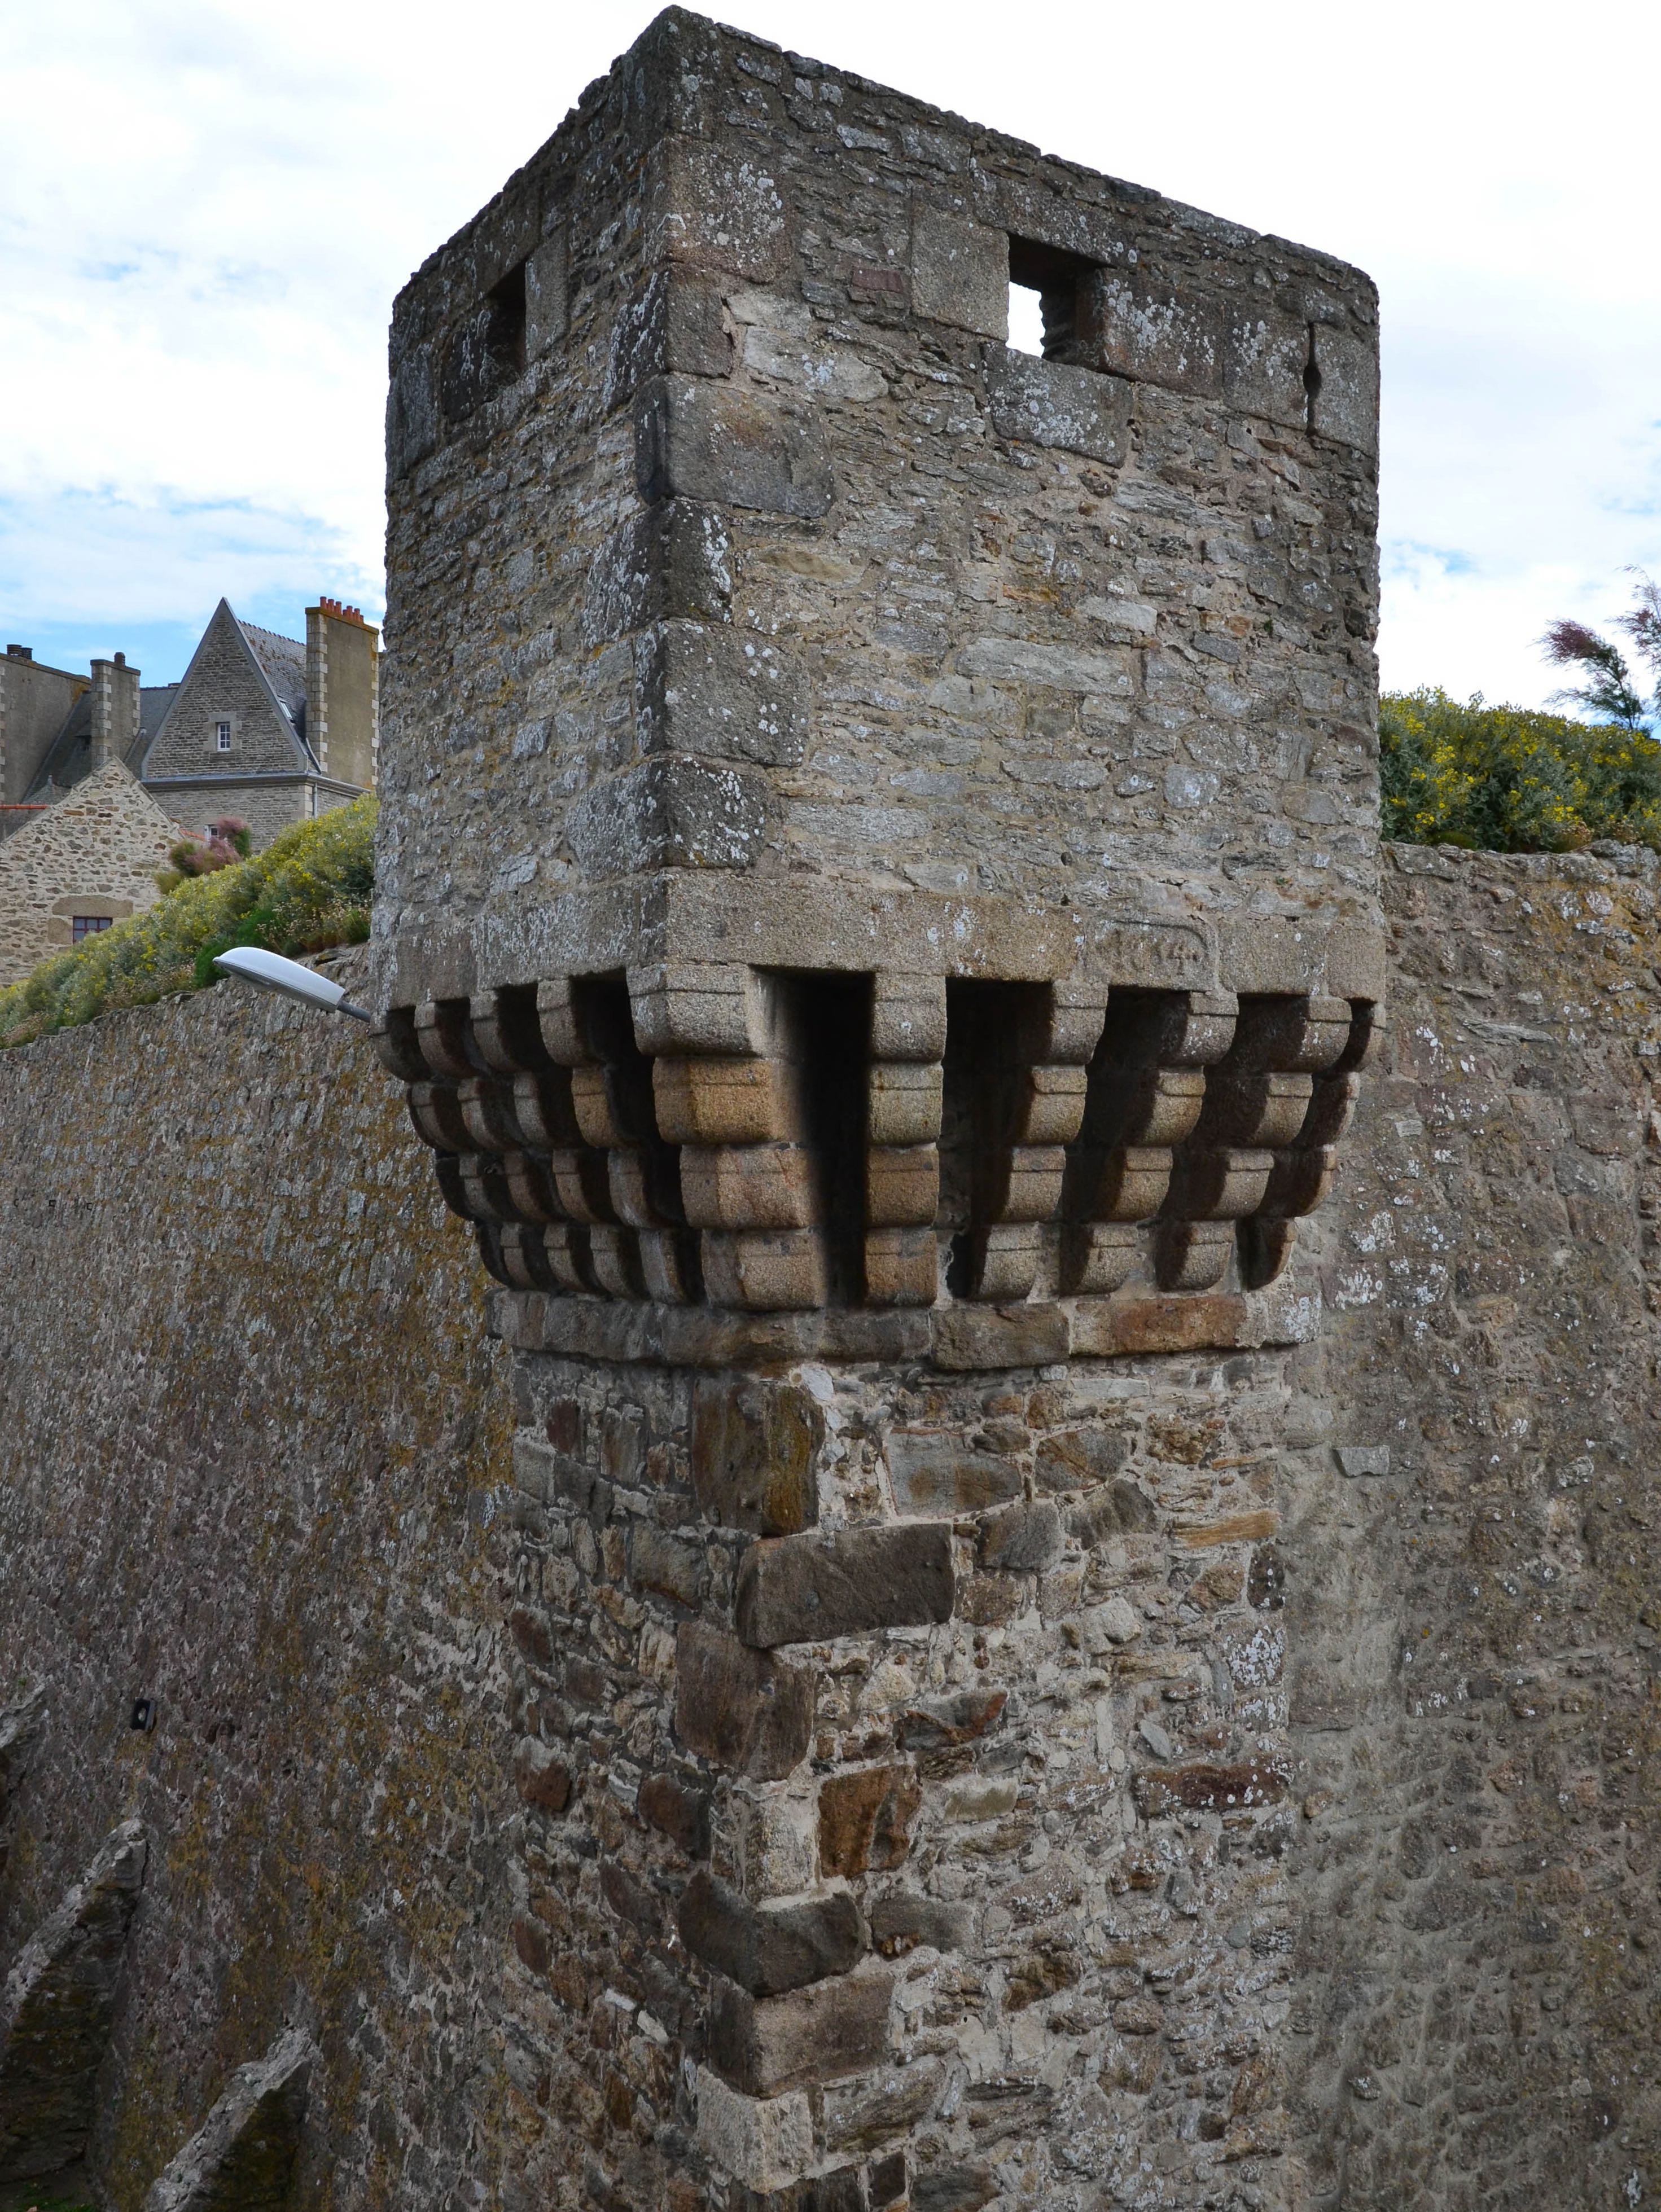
{"type": "Point", "coordinates": [688, 1136]}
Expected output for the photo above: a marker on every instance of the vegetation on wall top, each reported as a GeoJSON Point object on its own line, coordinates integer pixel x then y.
{"type": "Point", "coordinates": [1507, 779]}
{"type": "Point", "coordinates": [309, 890]}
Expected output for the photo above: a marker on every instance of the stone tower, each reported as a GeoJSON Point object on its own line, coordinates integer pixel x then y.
{"type": "Point", "coordinates": [878, 920]}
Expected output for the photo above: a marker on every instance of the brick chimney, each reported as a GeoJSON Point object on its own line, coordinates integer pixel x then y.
{"type": "Point", "coordinates": [342, 691]}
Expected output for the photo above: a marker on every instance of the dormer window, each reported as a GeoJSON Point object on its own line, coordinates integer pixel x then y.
{"type": "Point", "coordinates": [222, 732]}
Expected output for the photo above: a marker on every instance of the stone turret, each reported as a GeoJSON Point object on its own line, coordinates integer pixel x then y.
{"type": "Point", "coordinates": [878, 918]}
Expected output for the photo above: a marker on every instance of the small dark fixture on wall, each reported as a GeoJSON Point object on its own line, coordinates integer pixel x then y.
{"type": "Point", "coordinates": [143, 1715]}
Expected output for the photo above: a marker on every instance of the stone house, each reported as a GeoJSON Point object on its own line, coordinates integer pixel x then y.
{"type": "Point", "coordinates": [75, 867]}
{"type": "Point", "coordinates": [261, 726]}
{"type": "Point", "coordinates": [268, 727]}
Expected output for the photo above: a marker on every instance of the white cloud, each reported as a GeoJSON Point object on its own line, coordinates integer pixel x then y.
{"type": "Point", "coordinates": [209, 207]}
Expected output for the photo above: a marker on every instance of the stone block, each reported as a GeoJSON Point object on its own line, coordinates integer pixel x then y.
{"type": "Point", "coordinates": [768, 1949]}
{"type": "Point", "coordinates": [1149, 329]}
{"type": "Point", "coordinates": [698, 441]}
{"type": "Point", "coordinates": [703, 688]}
{"type": "Point", "coordinates": [904, 1921]}
{"type": "Point", "coordinates": [718, 205]}
{"type": "Point", "coordinates": [953, 2189]}
{"type": "Point", "coordinates": [865, 1819]}
{"type": "Point", "coordinates": [764, 2145]}
{"type": "Point", "coordinates": [755, 1446]}
{"type": "Point", "coordinates": [763, 2045]}
{"type": "Point", "coordinates": [1115, 1508]}
{"type": "Point", "coordinates": [1205, 1788]}
{"type": "Point", "coordinates": [412, 420]}
{"type": "Point", "coordinates": [695, 1007]}
{"type": "Point", "coordinates": [242, 2156]}
{"type": "Point", "coordinates": [797, 1590]}
{"type": "Point", "coordinates": [844, 2191]}
{"type": "Point", "coordinates": [904, 1103]}
{"type": "Point", "coordinates": [902, 1185]}
{"type": "Point", "coordinates": [1345, 402]}
{"type": "Point", "coordinates": [672, 562]}
{"type": "Point", "coordinates": [748, 1186]}
{"type": "Point", "coordinates": [1050, 403]}
{"type": "Point", "coordinates": [902, 1267]}
{"type": "Point", "coordinates": [934, 1474]}
{"type": "Point", "coordinates": [945, 1724]}
{"type": "Point", "coordinates": [764, 1271]}
{"type": "Point", "coordinates": [675, 325]}
{"type": "Point", "coordinates": [667, 1564]}
{"type": "Point", "coordinates": [541, 1776]}
{"type": "Point", "coordinates": [722, 1101]}
{"type": "Point", "coordinates": [959, 272]}
{"type": "Point", "coordinates": [56, 2010]}
{"type": "Point", "coordinates": [677, 1811]}
{"type": "Point", "coordinates": [739, 1708]}
{"type": "Point", "coordinates": [673, 814]}
{"type": "Point", "coordinates": [1079, 1459]}
{"type": "Point", "coordinates": [1355, 1460]}
{"type": "Point", "coordinates": [1023, 1539]}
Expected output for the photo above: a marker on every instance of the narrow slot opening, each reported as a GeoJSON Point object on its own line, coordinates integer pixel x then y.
{"type": "Point", "coordinates": [826, 1023]}
{"type": "Point", "coordinates": [505, 331]}
{"type": "Point", "coordinates": [988, 1027]}
{"type": "Point", "coordinates": [1311, 382]}
{"type": "Point", "coordinates": [1045, 314]}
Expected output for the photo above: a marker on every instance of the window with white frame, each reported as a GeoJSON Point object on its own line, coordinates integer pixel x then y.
{"type": "Point", "coordinates": [222, 732]}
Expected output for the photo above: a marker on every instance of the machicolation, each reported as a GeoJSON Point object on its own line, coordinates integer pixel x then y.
{"type": "Point", "coordinates": [1006, 1565]}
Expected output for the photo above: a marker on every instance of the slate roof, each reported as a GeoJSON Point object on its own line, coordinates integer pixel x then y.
{"type": "Point", "coordinates": [68, 757]}
{"type": "Point", "coordinates": [283, 660]}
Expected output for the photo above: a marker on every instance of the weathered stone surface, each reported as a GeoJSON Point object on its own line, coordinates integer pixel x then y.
{"type": "Point", "coordinates": [903, 1920]}
{"type": "Point", "coordinates": [57, 2011]}
{"type": "Point", "coordinates": [678, 813]}
{"type": "Point", "coordinates": [739, 1707]}
{"type": "Point", "coordinates": [1023, 1539]}
{"type": "Point", "coordinates": [959, 272]}
{"type": "Point", "coordinates": [765, 2044]}
{"type": "Point", "coordinates": [931, 1474]}
{"type": "Point", "coordinates": [1048, 403]}
{"type": "Point", "coordinates": [755, 1447]}
{"type": "Point", "coordinates": [241, 2158]}
{"type": "Point", "coordinates": [765, 2143]}
{"type": "Point", "coordinates": [801, 1589]}
{"type": "Point", "coordinates": [768, 1949]}
{"type": "Point", "coordinates": [865, 1819]}
{"type": "Point", "coordinates": [695, 441]}
{"type": "Point", "coordinates": [703, 689]}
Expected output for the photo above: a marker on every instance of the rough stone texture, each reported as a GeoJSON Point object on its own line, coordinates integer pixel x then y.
{"type": "Point", "coordinates": [57, 2011]}
{"type": "Point", "coordinates": [1469, 1575]}
{"type": "Point", "coordinates": [270, 1513]}
{"type": "Point", "coordinates": [242, 2157]}
{"type": "Point", "coordinates": [1175, 1769]}
{"type": "Point", "coordinates": [1058, 627]}
{"type": "Point", "coordinates": [95, 853]}
{"type": "Point", "coordinates": [1366, 1981]}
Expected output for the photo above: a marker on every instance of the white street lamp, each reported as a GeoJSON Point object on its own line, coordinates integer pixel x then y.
{"type": "Point", "coordinates": [270, 971]}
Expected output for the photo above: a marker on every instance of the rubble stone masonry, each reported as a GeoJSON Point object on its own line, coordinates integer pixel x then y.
{"type": "Point", "coordinates": [263, 1464]}
{"type": "Point", "coordinates": [1003, 1567]}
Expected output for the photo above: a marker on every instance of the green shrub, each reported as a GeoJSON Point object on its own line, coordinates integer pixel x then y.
{"type": "Point", "coordinates": [309, 890]}
{"type": "Point", "coordinates": [1505, 780]}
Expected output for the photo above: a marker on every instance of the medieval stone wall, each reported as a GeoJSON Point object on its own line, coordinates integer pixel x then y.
{"type": "Point", "coordinates": [252, 1426]}
{"type": "Point", "coordinates": [450, 1770]}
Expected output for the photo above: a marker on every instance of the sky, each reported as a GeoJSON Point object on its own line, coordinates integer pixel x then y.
{"type": "Point", "coordinates": [206, 207]}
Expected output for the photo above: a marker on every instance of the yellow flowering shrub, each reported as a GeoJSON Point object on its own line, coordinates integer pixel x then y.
{"type": "Point", "coordinates": [1506, 780]}
{"type": "Point", "coordinates": [310, 889]}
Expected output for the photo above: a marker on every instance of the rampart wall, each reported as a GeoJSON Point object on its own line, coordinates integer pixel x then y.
{"type": "Point", "coordinates": [257, 1464]}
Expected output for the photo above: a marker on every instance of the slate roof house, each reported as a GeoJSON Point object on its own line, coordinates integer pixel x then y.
{"type": "Point", "coordinates": [258, 726]}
